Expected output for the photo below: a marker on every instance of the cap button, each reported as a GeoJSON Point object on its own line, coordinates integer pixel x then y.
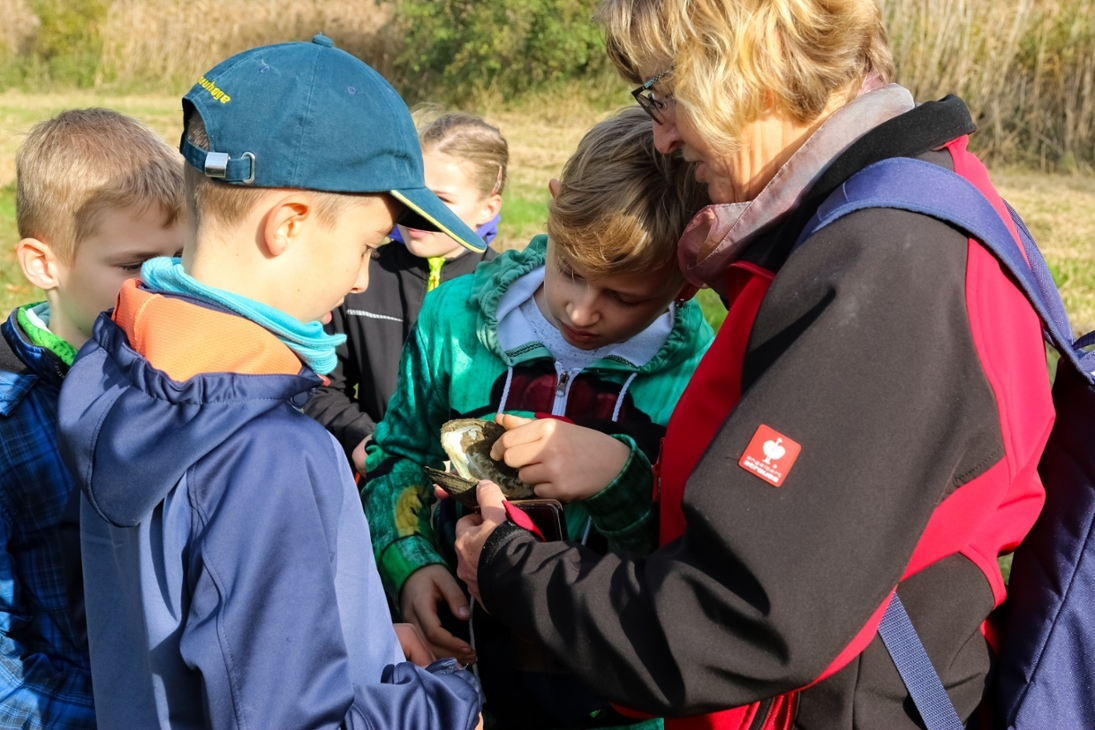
{"type": "Point", "coordinates": [323, 40]}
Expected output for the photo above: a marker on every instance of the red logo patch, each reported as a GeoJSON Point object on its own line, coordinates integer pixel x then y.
{"type": "Point", "coordinates": [770, 456]}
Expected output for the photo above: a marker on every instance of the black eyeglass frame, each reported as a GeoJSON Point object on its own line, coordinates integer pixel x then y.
{"type": "Point", "coordinates": [649, 104]}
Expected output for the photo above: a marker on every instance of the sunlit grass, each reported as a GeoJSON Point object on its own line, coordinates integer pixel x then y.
{"type": "Point", "coordinates": [1060, 209]}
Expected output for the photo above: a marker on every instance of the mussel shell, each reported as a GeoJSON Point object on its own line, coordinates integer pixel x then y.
{"type": "Point", "coordinates": [459, 488]}
{"type": "Point", "coordinates": [470, 453]}
{"type": "Point", "coordinates": [468, 442]}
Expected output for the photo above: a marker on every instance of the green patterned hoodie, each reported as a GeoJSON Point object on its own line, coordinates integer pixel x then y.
{"type": "Point", "coordinates": [458, 364]}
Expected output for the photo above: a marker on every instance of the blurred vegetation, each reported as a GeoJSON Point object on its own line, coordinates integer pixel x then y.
{"type": "Point", "coordinates": [1025, 67]}
{"type": "Point", "coordinates": [467, 47]}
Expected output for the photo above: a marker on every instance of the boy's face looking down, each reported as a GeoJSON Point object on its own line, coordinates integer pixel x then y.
{"type": "Point", "coordinates": [79, 290]}
{"type": "Point", "coordinates": [287, 254]}
{"type": "Point", "coordinates": [450, 181]}
{"type": "Point", "coordinates": [595, 311]}
{"type": "Point", "coordinates": [339, 261]}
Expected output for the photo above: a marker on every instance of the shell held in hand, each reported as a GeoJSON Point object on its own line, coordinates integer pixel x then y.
{"type": "Point", "coordinates": [467, 442]}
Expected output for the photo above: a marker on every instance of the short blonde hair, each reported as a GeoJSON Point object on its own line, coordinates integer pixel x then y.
{"type": "Point", "coordinates": [474, 144]}
{"type": "Point", "coordinates": [82, 162]}
{"type": "Point", "coordinates": [228, 204]}
{"type": "Point", "coordinates": [621, 205]}
{"type": "Point", "coordinates": [725, 57]}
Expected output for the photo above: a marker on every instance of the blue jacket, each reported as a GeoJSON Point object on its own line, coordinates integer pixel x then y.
{"type": "Point", "coordinates": [45, 677]}
{"type": "Point", "coordinates": [227, 562]}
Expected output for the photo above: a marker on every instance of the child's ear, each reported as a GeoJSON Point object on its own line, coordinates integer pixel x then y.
{"type": "Point", "coordinates": [553, 187]}
{"type": "Point", "coordinates": [39, 264]}
{"type": "Point", "coordinates": [490, 208]}
{"type": "Point", "coordinates": [285, 222]}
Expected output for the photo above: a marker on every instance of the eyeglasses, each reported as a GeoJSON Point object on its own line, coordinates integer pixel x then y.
{"type": "Point", "coordinates": [645, 97]}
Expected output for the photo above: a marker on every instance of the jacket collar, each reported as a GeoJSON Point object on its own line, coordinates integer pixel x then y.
{"type": "Point", "coordinates": [719, 234]}
{"type": "Point", "coordinates": [23, 364]}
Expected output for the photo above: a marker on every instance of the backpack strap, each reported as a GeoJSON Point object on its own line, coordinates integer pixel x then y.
{"type": "Point", "coordinates": [921, 187]}
{"type": "Point", "coordinates": [916, 670]}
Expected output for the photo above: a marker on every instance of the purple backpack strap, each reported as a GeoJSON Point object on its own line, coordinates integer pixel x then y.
{"type": "Point", "coordinates": [921, 187]}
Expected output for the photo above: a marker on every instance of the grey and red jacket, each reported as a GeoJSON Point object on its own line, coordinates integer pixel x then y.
{"type": "Point", "coordinates": [909, 372]}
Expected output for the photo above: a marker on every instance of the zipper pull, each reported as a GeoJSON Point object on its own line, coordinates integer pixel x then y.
{"type": "Point", "coordinates": [561, 385]}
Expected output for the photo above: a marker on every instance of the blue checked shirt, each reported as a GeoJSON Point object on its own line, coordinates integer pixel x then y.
{"type": "Point", "coordinates": [45, 674]}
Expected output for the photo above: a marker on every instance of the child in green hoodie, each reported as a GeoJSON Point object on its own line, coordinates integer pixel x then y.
{"type": "Point", "coordinates": [591, 323]}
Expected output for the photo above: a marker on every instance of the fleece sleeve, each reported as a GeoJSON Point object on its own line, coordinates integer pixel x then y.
{"type": "Point", "coordinates": [862, 354]}
{"type": "Point", "coordinates": [38, 691]}
{"type": "Point", "coordinates": [397, 495]}
{"type": "Point", "coordinates": [623, 511]}
{"type": "Point", "coordinates": [287, 625]}
{"type": "Point", "coordinates": [335, 405]}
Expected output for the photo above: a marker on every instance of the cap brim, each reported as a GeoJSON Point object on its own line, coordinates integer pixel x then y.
{"type": "Point", "coordinates": [427, 213]}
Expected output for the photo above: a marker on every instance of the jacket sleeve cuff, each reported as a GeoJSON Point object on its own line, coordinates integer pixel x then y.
{"type": "Point", "coordinates": [626, 501]}
{"type": "Point", "coordinates": [403, 557]}
{"type": "Point", "coordinates": [503, 535]}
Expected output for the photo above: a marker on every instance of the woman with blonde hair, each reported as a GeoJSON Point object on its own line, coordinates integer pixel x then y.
{"type": "Point", "coordinates": [867, 422]}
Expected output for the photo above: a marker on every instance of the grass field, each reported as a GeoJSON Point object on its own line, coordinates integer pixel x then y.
{"type": "Point", "coordinates": [1060, 209]}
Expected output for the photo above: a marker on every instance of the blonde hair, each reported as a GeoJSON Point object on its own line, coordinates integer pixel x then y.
{"type": "Point", "coordinates": [228, 204]}
{"type": "Point", "coordinates": [82, 162]}
{"type": "Point", "coordinates": [725, 57]}
{"type": "Point", "coordinates": [622, 205]}
{"type": "Point", "coordinates": [477, 146]}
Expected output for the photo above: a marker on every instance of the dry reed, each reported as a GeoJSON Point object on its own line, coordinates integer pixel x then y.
{"type": "Point", "coordinates": [174, 41]}
{"type": "Point", "coordinates": [1025, 67]}
{"type": "Point", "coordinates": [17, 30]}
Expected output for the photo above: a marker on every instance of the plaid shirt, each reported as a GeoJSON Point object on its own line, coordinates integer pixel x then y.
{"type": "Point", "coordinates": [45, 674]}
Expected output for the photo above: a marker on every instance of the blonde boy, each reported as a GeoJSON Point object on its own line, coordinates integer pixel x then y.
{"type": "Point", "coordinates": [225, 553]}
{"type": "Point", "coordinates": [590, 324]}
{"type": "Point", "coordinates": [97, 195]}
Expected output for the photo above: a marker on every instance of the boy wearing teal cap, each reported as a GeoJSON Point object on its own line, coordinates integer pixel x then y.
{"type": "Point", "coordinates": [226, 557]}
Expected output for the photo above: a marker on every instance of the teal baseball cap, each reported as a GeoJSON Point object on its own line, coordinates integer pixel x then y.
{"type": "Point", "coordinates": [309, 116]}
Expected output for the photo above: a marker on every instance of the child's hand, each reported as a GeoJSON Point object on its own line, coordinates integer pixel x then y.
{"type": "Point", "coordinates": [564, 461]}
{"type": "Point", "coordinates": [413, 644]}
{"type": "Point", "coordinates": [423, 590]}
{"type": "Point", "coordinates": [358, 456]}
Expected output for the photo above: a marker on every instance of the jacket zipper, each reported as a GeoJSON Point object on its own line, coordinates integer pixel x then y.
{"type": "Point", "coordinates": [564, 378]}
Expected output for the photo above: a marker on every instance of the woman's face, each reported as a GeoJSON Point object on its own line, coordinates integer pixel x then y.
{"type": "Point", "coordinates": [735, 176]}
{"type": "Point", "coordinates": [716, 170]}
{"type": "Point", "coordinates": [449, 181]}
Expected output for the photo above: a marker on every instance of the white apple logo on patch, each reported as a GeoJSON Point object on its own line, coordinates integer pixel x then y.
{"type": "Point", "coordinates": [773, 451]}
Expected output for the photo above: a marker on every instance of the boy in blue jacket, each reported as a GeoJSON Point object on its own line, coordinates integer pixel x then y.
{"type": "Point", "coordinates": [97, 195]}
{"type": "Point", "coordinates": [227, 562]}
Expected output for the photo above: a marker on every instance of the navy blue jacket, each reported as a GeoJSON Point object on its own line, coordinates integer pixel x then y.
{"type": "Point", "coordinates": [229, 577]}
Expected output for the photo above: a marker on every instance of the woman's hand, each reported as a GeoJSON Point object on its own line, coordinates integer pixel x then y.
{"type": "Point", "coordinates": [423, 590]}
{"type": "Point", "coordinates": [564, 461]}
{"type": "Point", "coordinates": [472, 532]}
